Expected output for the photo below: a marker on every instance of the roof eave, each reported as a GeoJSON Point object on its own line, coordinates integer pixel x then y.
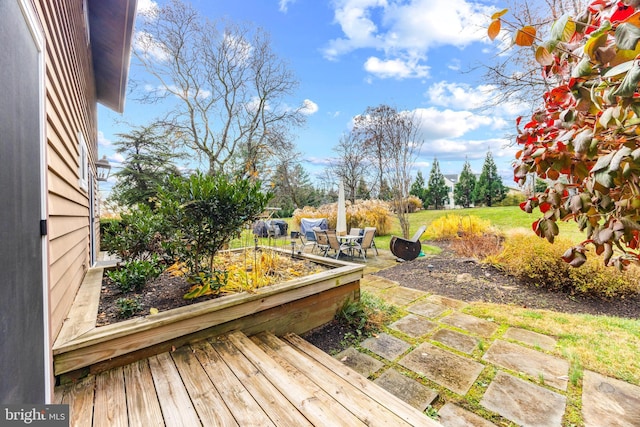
{"type": "Point", "coordinates": [111, 25]}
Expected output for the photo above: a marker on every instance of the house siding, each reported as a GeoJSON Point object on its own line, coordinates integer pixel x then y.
{"type": "Point", "coordinates": [70, 109]}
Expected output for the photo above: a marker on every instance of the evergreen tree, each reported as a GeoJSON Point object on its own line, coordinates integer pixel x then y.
{"type": "Point", "coordinates": [437, 193]}
{"type": "Point", "coordinates": [362, 192]}
{"type": "Point", "coordinates": [463, 192]}
{"type": "Point", "coordinates": [148, 161]}
{"type": "Point", "coordinates": [292, 188]}
{"type": "Point", "coordinates": [385, 191]}
{"type": "Point", "coordinates": [489, 188]}
{"type": "Point", "coordinates": [417, 188]}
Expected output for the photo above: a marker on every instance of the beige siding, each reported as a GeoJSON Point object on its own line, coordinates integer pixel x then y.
{"type": "Point", "coordinates": [70, 109]}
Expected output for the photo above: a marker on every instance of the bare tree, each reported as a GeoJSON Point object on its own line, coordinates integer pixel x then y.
{"type": "Point", "coordinates": [519, 77]}
{"type": "Point", "coordinates": [227, 85]}
{"type": "Point", "coordinates": [369, 128]}
{"type": "Point", "coordinates": [351, 164]}
{"type": "Point", "coordinates": [392, 139]}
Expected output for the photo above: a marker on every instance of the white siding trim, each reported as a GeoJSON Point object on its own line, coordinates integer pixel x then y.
{"type": "Point", "coordinates": [31, 18]}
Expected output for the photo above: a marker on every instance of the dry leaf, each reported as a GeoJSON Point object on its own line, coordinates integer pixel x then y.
{"type": "Point", "coordinates": [525, 36]}
{"type": "Point", "coordinates": [494, 29]}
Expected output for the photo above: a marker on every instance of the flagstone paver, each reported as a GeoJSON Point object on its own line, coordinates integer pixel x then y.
{"type": "Point", "coordinates": [534, 339]}
{"type": "Point", "coordinates": [454, 372]}
{"type": "Point", "coordinates": [524, 403]}
{"type": "Point", "coordinates": [469, 323]}
{"type": "Point", "coordinates": [456, 340]}
{"type": "Point", "coordinates": [552, 370]}
{"type": "Point", "coordinates": [407, 389]}
{"type": "Point", "coordinates": [605, 401]}
{"type": "Point", "coordinates": [446, 301]}
{"type": "Point", "coordinates": [402, 296]}
{"type": "Point", "coordinates": [427, 309]}
{"type": "Point", "coordinates": [385, 345]}
{"type": "Point", "coordinates": [454, 416]}
{"type": "Point", "coordinates": [414, 326]}
{"type": "Point", "coordinates": [609, 402]}
{"type": "Point", "coordinates": [362, 363]}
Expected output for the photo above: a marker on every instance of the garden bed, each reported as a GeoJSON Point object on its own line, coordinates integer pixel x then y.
{"type": "Point", "coordinates": [297, 305]}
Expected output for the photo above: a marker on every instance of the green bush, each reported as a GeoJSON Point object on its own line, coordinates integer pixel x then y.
{"type": "Point", "coordinates": [536, 261]}
{"type": "Point", "coordinates": [135, 274]}
{"type": "Point", "coordinates": [204, 212]}
{"type": "Point", "coordinates": [137, 236]}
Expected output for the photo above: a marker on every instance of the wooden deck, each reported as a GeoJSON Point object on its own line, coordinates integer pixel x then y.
{"type": "Point", "coordinates": [234, 380]}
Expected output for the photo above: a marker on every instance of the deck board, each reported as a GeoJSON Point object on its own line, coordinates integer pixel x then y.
{"type": "Point", "coordinates": [232, 381]}
{"type": "Point", "coordinates": [372, 414]}
{"type": "Point", "coordinates": [177, 408]}
{"type": "Point", "coordinates": [142, 401]}
{"type": "Point", "coordinates": [110, 401]}
{"type": "Point", "coordinates": [312, 401]}
{"type": "Point", "coordinates": [275, 404]}
{"type": "Point", "coordinates": [240, 402]}
{"type": "Point", "coordinates": [207, 401]}
{"type": "Point", "coordinates": [79, 397]}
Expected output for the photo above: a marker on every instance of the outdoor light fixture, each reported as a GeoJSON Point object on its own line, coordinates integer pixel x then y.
{"type": "Point", "coordinates": [293, 248]}
{"type": "Point", "coordinates": [103, 168]}
{"type": "Point", "coordinates": [430, 268]}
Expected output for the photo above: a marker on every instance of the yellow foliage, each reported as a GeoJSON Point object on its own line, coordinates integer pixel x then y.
{"type": "Point", "coordinates": [362, 213]}
{"type": "Point", "coordinates": [537, 261]}
{"type": "Point", "coordinates": [451, 226]}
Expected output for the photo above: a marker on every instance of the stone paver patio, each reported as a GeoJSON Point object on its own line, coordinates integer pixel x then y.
{"type": "Point", "coordinates": [436, 350]}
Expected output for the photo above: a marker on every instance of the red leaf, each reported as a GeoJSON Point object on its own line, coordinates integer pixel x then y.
{"type": "Point", "coordinates": [544, 207]}
{"type": "Point", "coordinates": [535, 228]}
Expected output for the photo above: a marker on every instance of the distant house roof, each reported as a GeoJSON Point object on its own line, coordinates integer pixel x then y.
{"type": "Point", "coordinates": [453, 177]}
{"type": "Point", "coordinates": [111, 31]}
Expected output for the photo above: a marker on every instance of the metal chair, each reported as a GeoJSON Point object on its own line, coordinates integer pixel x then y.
{"type": "Point", "coordinates": [367, 241]}
{"type": "Point", "coordinates": [335, 245]}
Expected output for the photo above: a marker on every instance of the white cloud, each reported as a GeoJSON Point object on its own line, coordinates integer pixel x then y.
{"type": "Point", "coordinates": [116, 158]}
{"type": "Point", "coordinates": [147, 8]}
{"type": "Point", "coordinates": [438, 124]}
{"type": "Point", "coordinates": [406, 29]}
{"type": "Point", "coordinates": [464, 96]}
{"type": "Point", "coordinates": [102, 140]}
{"type": "Point", "coordinates": [284, 5]}
{"type": "Point", "coordinates": [146, 45]}
{"type": "Point", "coordinates": [395, 68]}
{"type": "Point", "coordinates": [309, 107]}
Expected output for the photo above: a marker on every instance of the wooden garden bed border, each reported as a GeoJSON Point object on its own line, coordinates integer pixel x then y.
{"type": "Point", "coordinates": [297, 306]}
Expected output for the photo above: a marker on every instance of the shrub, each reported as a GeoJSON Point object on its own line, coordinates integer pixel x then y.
{"type": "Point", "coordinates": [414, 204]}
{"type": "Point", "coordinates": [137, 236]}
{"type": "Point", "coordinates": [365, 316]}
{"type": "Point", "coordinates": [478, 247]}
{"type": "Point", "coordinates": [363, 213]}
{"type": "Point", "coordinates": [452, 226]}
{"type": "Point", "coordinates": [536, 261]}
{"type": "Point", "coordinates": [205, 212]}
{"type": "Point", "coordinates": [127, 307]}
{"type": "Point", "coordinates": [133, 275]}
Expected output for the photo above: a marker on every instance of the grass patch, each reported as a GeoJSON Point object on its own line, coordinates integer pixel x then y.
{"type": "Point", "coordinates": [608, 345]}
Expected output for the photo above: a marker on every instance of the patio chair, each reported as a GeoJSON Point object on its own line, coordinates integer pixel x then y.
{"type": "Point", "coordinates": [367, 241]}
{"type": "Point", "coordinates": [407, 250]}
{"type": "Point", "coordinates": [322, 242]}
{"type": "Point", "coordinates": [335, 245]}
{"type": "Point", "coordinates": [355, 231]}
{"type": "Point", "coordinates": [373, 240]}
{"type": "Point", "coordinates": [308, 239]}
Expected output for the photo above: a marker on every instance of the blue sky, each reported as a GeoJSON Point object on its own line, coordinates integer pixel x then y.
{"type": "Point", "coordinates": [351, 54]}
